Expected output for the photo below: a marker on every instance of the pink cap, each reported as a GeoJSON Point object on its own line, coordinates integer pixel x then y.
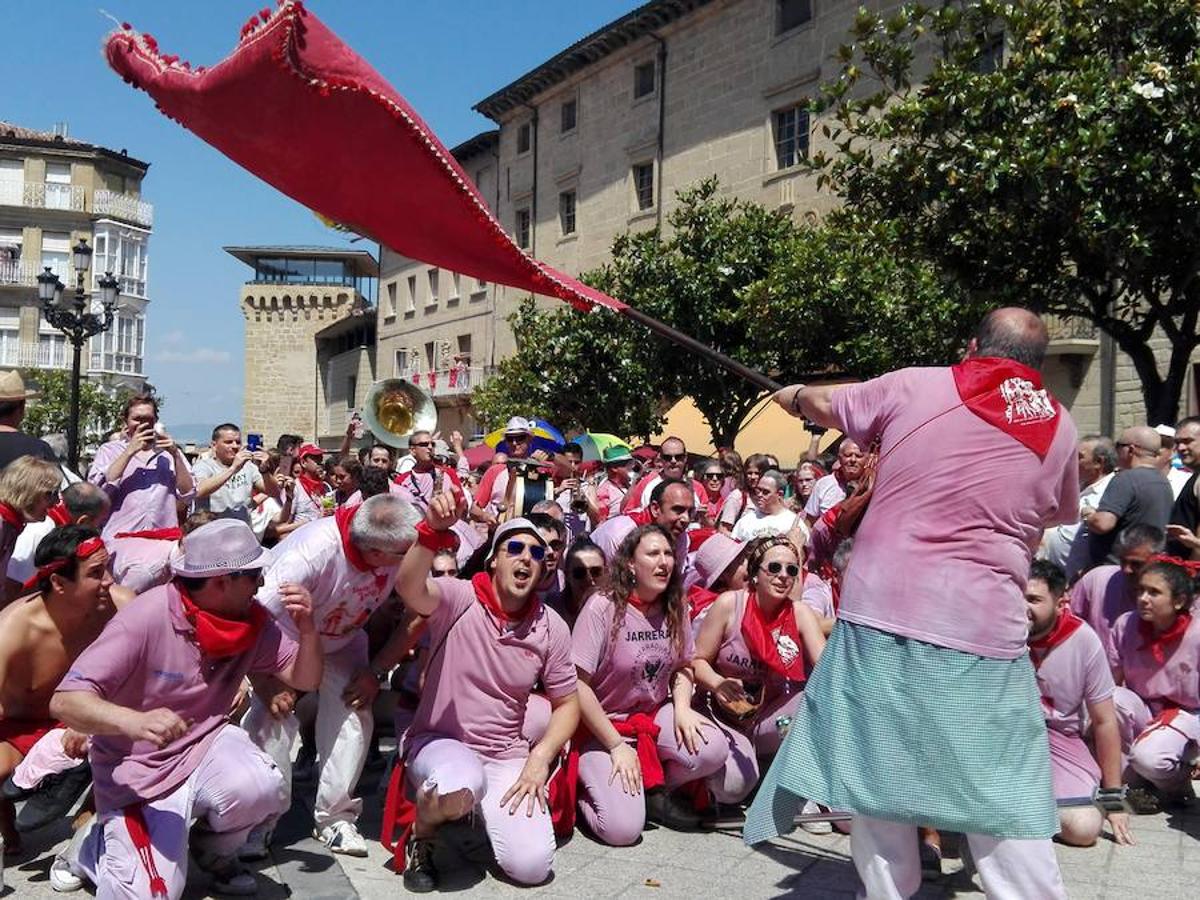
{"type": "Point", "coordinates": [715, 556]}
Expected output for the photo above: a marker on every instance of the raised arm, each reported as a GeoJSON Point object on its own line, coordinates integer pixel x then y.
{"type": "Point", "coordinates": [418, 591]}
{"type": "Point", "coordinates": [812, 402]}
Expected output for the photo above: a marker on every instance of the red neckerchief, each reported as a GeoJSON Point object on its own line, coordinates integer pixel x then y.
{"type": "Point", "coordinates": [153, 534]}
{"type": "Point", "coordinates": [762, 637]}
{"type": "Point", "coordinates": [1009, 396]}
{"type": "Point", "coordinates": [641, 517]}
{"type": "Point", "coordinates": [639, 604]}
{"type": "Point", "coordinates": [219, 637]}
{"type": "Point", "coordinates": [1065, 625]}
{"type": "Point", "coordinates": [312, 485]}
{"type": "Point", "coordinates": [485, 593]}
{"type": "Point", "coordinates": [342, 515]}
{"type": "Point", "coordinates": [58, 514]}
{"type": "Point", "coordinates": [12, 517]}
{"type": "Point", "coordinates": [83, 550]}
{"type": "Point", "coordinates": [699, 599]}
{"type": "Point", "coordinates": [1158, 642]}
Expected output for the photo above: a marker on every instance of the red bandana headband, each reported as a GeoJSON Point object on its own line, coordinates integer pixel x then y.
{"type": "Point", "coordinates": [83, 551]}
{"type": "Point", "coordinates": [1191, 566]}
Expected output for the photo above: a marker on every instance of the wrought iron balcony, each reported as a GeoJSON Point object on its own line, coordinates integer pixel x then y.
{"type": "Point", "coordinates": [40, 195]}
{"type": "Point", "coordinates": [124, 207]}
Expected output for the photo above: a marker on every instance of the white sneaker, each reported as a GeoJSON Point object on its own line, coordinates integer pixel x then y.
{"type": "Point", "coordinates": [257, 841]}
{"type": "Point", "coordinates": [811, 808]}
{"type": "Point", "coordinates": [62, 879]}
{"type": "Point", "coordinates": [342, 837]}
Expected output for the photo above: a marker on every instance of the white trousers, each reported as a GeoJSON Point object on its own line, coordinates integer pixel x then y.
{"type": "Point", "coordinates": [234, 789]}
{"type": "Point", "coordinates": [342, 736]}
{"type": "Point", "coordinates": [888, 862]}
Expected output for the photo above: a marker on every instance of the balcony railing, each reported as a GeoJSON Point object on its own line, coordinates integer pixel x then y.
{"type": "Point", "coordinates": [1062, 328]}
{"type": "Point", "coordinates": [452, 382]}
{"type": "Point", "coordinates": [25, 272]}
{"type": "Point", "coordinates": [124, 207]}
{"type": "Point", "coordinates": [40, 195]}
{"type": "Point", "coordinates": [35, 356]}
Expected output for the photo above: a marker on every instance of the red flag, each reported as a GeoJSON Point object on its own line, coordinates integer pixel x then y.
{"type": "Point", "coordinates": [282, 104]}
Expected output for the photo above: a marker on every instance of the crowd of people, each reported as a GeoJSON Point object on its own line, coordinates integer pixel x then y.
{"type": "Point", "coordinates": [558, 644]}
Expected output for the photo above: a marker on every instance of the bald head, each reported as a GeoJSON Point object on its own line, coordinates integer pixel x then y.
{"type": "Point", "coordinates": [86, 504]}
{"type": "Point", "coordinates": [1012, 333]}
{"type": "Point", "coordinates": [1138, 446]}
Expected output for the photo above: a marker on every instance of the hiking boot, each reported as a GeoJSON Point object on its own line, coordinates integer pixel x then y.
{"type": "Point", "coordinates": [53, 797]}
{"type": "Point", "coordinates": [669, 810]}
{"type": "Point", "coordinates": [420, 876]}
{"type": "Point", "coordinates": [343, 838]}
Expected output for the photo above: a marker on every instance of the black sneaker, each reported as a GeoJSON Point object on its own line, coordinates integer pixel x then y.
{"type": "Point", "coordinates": [670, 811]}
{"type": "Point", "coordinates": [54, 797]}
{"type": "Point", "coordinates": [420, 877]}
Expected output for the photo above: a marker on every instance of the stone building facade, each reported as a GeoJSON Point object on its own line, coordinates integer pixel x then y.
{"type": "Point", "coordinates": [598, 140]}
{"type": "Point", "coordinates": [292, 305]}
{"type": "Point", "coordinates": [55, 191]}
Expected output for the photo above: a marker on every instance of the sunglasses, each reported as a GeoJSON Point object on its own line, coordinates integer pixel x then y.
{"type": "Point", "coordinates": [714, 475]}
{"type": "Point", "coordinates": [582, 572]}
{"type": "Point", "coordinates": [256, 574]}
{"type": "Point", "coordinates": [444, 573]}
{"type": "Point", "coordinates": [516, 548]}
{"type": "Point", "coordinates": [421, 444]}
{"type": "Point", "coordinates": [673, 457]}
{"type": "Point", "coordinates": [557, 546]}
{"type": "Point", "coordinates": [774, 568]}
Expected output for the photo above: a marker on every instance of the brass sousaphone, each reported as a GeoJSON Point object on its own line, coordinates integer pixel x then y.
{"type": "Point", "coordinates": [396, 408]}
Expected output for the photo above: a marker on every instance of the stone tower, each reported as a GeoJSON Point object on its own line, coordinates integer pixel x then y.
{"type": "Point", "coordinates": [295, 292]}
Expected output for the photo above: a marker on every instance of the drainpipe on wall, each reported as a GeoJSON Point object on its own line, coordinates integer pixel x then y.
{"type": "Point", "coordinates": [662, 113]}
{"type": "Point", "coordinates": [533, 206]}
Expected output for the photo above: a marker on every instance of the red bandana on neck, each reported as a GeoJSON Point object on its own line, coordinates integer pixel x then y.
{"type": "Point", "coordinates": [219, 637]}
{"type": "Point", "coordinates": [699, 599]}
{"type": "Point", "coordinates": [641, 517]}
{"type": "Point", "coordinates": [313, 486]}
{"type": "Point", "coordinates": [1158, 642]}
{"type": "Point", "coordinates": [1065, 625]}
{"type": "Point", "coordinates": [775, 643]}
{"type": "Point", "coordinates": [485, 593]}
{"type": "Point", "coordinates": [342, 515]}
{"type": "Point", "coordinates": [1009, 396]}
{"type": "Point", "coordinates": [58, 514]}
{"type": "Point", "coordinates": [12, 517]}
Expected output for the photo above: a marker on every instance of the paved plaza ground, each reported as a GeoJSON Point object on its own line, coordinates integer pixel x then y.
{"type": "Point", "coordinates": [1164, 865]}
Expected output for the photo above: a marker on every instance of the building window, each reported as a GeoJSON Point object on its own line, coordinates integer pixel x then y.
{"type": "Point", "coordinates": [464, 346]}
{"type": "Point", "coordinates": [412, 294]}
{"type": "Point", "coordinates": [524, 137]}
{"type": "Point", "coordinates": [643, 185]}
{"type": "Point", "coordinates": [791, 14]}
{"type": "Point", "coordinates": [391, 302]}
{"type": "Point", "coordinates": [56, 253]}
{"type": "Point", "coordinates": [643, 80]}
{"type": "Point", "coordinates": [524, 232]}
{"type": "Point", "coordinates": [568, 115]}
{"type": "Point", "coordinates": [401, 369]}
{"type": "Point", "coordinates": [430, 356]}
{"type": "Point", "coordinates": [52, 351]}
{"type": "Point", "coordinates": [566, 212]}
{"type": "Point", "coordinates": [12, 182]}
{"type": "Point", "coordinates": [58, 185]}
{"type": "Point", "coordinates": [991, 53]}
{"type": "Point", "coordinates": [433, 286]}
{"type": "Point", "coordinates": [351, 390]}
{"type": "Point", "coordinates": [791, 136]}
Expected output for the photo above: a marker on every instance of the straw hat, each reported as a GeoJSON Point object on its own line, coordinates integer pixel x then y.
{"type": "Point", "coordinates": [12, 387]}
{"type": "Point", "coordinates": [219, 548]}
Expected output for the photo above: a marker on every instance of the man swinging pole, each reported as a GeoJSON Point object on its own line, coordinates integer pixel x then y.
{"type": "Point", "coordinates": [928, 658]}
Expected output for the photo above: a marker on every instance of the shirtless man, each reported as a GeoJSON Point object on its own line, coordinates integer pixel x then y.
{"type": "Point", "coordinates": [40, 636]}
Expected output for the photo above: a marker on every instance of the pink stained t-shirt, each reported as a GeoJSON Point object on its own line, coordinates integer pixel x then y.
{"type": "Point", "coordinates": [734, 659]}
{"type": "Point", "coordinates": [343, 596]}
{"type": "Point", "coordinates": [817, 595]}
{"type": "Point", "coordinates": [1101, 597]}
{"type": "Point", "coordinates": [609, 496]}
{"type": "Point", "coordinates": [942, 553]}
{"type": "Point", "coordinates": [147, 658]}
{"type": "Point", "coordinates": [140, 563]}
{"type": "Point", "coordinates": [1070, 676]}
{"type": "Point", "coordinates": [631, 673]}
{"type": "Point", "coordinates": [145, 495]}
{"type": "Point", "coordinates": [479, 674]}
{"type": "Point", "coordinates": [1175, 682]}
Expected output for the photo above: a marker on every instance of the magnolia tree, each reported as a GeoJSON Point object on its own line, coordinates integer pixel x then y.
{"type": "Point", "coordinates": [1046, 156]}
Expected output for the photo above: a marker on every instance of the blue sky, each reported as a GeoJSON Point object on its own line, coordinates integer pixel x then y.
{"type": "Point", "coordinates": [442, 56]}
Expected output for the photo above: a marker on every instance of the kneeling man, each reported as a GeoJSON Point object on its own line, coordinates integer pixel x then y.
{"type": "Point", "coordinates": [154, 691]}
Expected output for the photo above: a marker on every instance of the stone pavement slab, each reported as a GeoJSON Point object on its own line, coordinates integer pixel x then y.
{"type": "Point", "coordinates": [1165, 865]}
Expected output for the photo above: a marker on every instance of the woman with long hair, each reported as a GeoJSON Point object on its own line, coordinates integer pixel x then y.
{"type": "Point", "coordinates": [632, 648]}
{"type": "Point", "coordinates": [584, 569]}
{"type": "Point", "coordinates": [1158, 653]}
{"type": "Point", "coordinates": [28, 488]}
{"type": "Point", "coordinates": [804, 479]}
{"type": "Point", "coordinates": [754, 651]}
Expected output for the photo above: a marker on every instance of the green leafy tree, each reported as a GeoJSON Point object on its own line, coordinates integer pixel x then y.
{"type": "Point", "coordinates": [846, 297]}
{"type": "Point", "coordinates": [1060, 173]}
{"type": "Point", "coordinates": [578, 371]}
{"type": "Point", "coordinates": [99, 413]}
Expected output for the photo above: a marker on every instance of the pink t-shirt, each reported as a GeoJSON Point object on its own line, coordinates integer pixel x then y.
{"type": "Point", "coordinates": [943, 550]}
{"type": "Point", "coordinates": [147, 658]}
{"type": "Point", "coordinates": [608, 497]}
{"type": "Point", "coordinates": [1173, 683]}
{"type": "Point", "coordinates": [1070, 676]}
{"type": "Point", "coordinates": [140, 563]}
{"type": "Point", "coordinates": [609, 534]}
{"type": "Point", "coordinates": [480, 675]}
{"type": "Point", "coordinates": [343, 596]}
{"type": "Point", "coordinates": [1101, 597]}
{"type": "Point", "coordinates": [817, 595]}
{"type": "Point", "coordinates": [827, 493]}
{"type": "Point", "coordinates": [633, 672]}
{"type": "Point", "coordinates": [492, 488]}
{"type": "Point", "coordinates": [145, 495]}
{"type": "Point", "coordinates": [417, 487]}
{"type": "Point", "coordinates": [733, 507]}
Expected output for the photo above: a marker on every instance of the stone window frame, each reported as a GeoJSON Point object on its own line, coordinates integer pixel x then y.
{"type": "Point", "coordinates": [525, 134]}
{"type": "Point", "coordinates": [638, 69]}
{"type": "Point", "coordinates": [777, 22]}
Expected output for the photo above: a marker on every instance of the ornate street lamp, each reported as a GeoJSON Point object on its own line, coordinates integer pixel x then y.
{"type": "Point", "coordinates": [73, 318]}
